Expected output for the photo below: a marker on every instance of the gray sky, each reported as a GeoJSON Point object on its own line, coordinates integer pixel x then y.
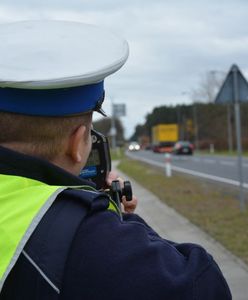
{"type": "Point", "coordinates": [172, 44]}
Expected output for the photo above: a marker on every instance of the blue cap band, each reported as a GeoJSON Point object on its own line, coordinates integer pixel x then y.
{"type": "Point", "coordinates": [51, 102]}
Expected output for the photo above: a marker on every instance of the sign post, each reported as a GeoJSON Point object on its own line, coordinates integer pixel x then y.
{"type": "Point", "coordinates": [235, 90]}
{"type": "Point", "coordinates": [238, 134]}
{"type": "Point", "coordinates": [118, 110]}
{"type": "Point", "coordinates": [229, 129]}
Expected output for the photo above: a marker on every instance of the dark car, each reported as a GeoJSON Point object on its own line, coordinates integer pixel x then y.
{"type": "Point", "coordinates": [163, 147]}
{"type": "Point", "coordinates": [183, 147]}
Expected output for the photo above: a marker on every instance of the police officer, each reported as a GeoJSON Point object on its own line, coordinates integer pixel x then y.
{"type": "Point", "coordinates": [60, 238]}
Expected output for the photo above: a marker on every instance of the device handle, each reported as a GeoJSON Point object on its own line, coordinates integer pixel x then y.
{"type": "Point", "coordinates": [117, 192]}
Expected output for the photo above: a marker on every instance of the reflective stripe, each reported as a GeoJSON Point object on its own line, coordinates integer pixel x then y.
{"type": "Point", "coordinates": [41, 272]}
{"type": "Point", "coordinates": [113, 207]}
{"type": "Point", "coordinates": [23, 203]}
{"type": "Point", "coordinates": [28, 233]}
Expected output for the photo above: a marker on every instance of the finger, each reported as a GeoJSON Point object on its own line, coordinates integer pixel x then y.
{"type": "Point", "coordinates": [122, 208]}
{"type": "Point", "coordinates": [121, 180]}
{"type": "Point", "coordinates": [111, 176]}
{"type": "Point", "coordinates": [129, 206]}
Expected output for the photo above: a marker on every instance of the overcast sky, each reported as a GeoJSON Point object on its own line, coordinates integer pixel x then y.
{"type": "Point", "coordinates": [172, 44]}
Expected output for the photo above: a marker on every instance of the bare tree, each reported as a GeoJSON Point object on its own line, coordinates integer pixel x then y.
{"type": "Point", "coordinates": [209, 86]}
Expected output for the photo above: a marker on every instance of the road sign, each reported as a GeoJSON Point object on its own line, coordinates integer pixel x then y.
{"type": "Point", "coordinates": [235, 90]}
{"type": "Point", "coordinates": [227, 91]}
{"type": "Point", "coordinates": [119, 110]}
{"type": "Point", "coordinates": [112, 131]}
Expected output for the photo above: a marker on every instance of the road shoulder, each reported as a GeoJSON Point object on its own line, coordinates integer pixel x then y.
{"type": "Point", "coordinates": [171, 225]}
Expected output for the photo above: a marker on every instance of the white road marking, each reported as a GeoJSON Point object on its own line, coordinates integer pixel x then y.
{"type": "Point", "coordinates": [190, 172]}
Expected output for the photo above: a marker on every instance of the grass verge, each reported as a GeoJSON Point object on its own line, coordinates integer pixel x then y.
{"type": "Point", "coordinates": [213, 208]}
{"type": "Point", "coordinates": [117, 154]}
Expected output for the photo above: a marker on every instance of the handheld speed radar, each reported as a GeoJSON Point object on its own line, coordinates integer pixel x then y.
{"type": "Point", "coordinates": [99, 162]}
{"type": "Point", "coordinates": [98, 167]}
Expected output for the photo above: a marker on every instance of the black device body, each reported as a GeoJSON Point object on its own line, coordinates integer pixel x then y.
{"type": "Point", "coordinates": [98, 167]}
{"type": "Point", "coordinates": [99, 161]}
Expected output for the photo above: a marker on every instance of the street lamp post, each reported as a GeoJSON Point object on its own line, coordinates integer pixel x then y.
{"type": "Point", "coordinates": [195, 126]}
{"type": "Point", "coordinates": [229, 129]}
{"type": "Point", "coordinates": [195, 119]}
{"type": "Point", "coordinates": [113, 131]}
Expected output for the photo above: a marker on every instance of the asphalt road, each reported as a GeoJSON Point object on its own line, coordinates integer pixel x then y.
{"type": "Point", "coordinates": [218, 168]}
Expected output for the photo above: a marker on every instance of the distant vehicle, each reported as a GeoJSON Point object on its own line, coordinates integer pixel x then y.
{"type": "Point", "coordinates": [164, 133]}
{"type": "Point", "coordinates": [134, 146]}
{"type": "Point", "coordinates": [163, 147]}
{"type": "Point", "coordinates": [183, 147]}
{"type": "Point", "coordinates": [164, 137]}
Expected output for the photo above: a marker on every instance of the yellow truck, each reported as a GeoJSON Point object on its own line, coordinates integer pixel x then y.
{"type": "Point", "coordinates": [164, 137]}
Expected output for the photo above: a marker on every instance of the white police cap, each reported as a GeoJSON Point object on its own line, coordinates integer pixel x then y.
{"type": "Point", "coordinates": [56, 68]}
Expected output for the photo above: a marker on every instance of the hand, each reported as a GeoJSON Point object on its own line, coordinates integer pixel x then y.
{"type": "Point", "coordinates": [127, 206]}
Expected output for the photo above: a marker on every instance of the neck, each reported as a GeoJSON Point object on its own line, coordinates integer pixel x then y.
{"type": "Point", "coordinates": [65, 162]}
{"type": "Point", "coordinates": [62, 160]}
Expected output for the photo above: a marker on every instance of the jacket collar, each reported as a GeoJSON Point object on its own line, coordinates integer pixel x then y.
{"type": "Point", "coordinates": [18, 164]}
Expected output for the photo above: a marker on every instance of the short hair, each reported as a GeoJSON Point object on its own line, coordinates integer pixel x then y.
{"type": "Point", "coordinates": [37, 135]}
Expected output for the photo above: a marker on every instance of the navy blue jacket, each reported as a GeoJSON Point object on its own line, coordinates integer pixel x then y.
{"type": "Point", "coordinates": [81, 250]}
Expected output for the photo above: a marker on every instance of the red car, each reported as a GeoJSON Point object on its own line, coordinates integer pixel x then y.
{"type": "Point", "coordinates": [163, 147]}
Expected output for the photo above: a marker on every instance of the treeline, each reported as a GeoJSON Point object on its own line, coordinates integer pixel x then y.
{"type": "Point", "coordinates": [104, 126]}
{"type": "Point", "coordinates": [204, 124]}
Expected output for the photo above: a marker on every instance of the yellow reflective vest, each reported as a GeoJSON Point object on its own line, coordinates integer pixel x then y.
{"type": "Point", "coordinates": [23, 203]}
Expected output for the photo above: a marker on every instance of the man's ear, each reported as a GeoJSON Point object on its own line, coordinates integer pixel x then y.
{"type": "Point", "coordinates": [76, 144]}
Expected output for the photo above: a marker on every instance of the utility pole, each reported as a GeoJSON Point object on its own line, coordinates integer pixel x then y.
{"type": "Point", "coordinates": [179, 122]}
{"type": "Point", "coordinates": [113, 128]}
{"type": "Point", "coordinates": [195, 126]}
